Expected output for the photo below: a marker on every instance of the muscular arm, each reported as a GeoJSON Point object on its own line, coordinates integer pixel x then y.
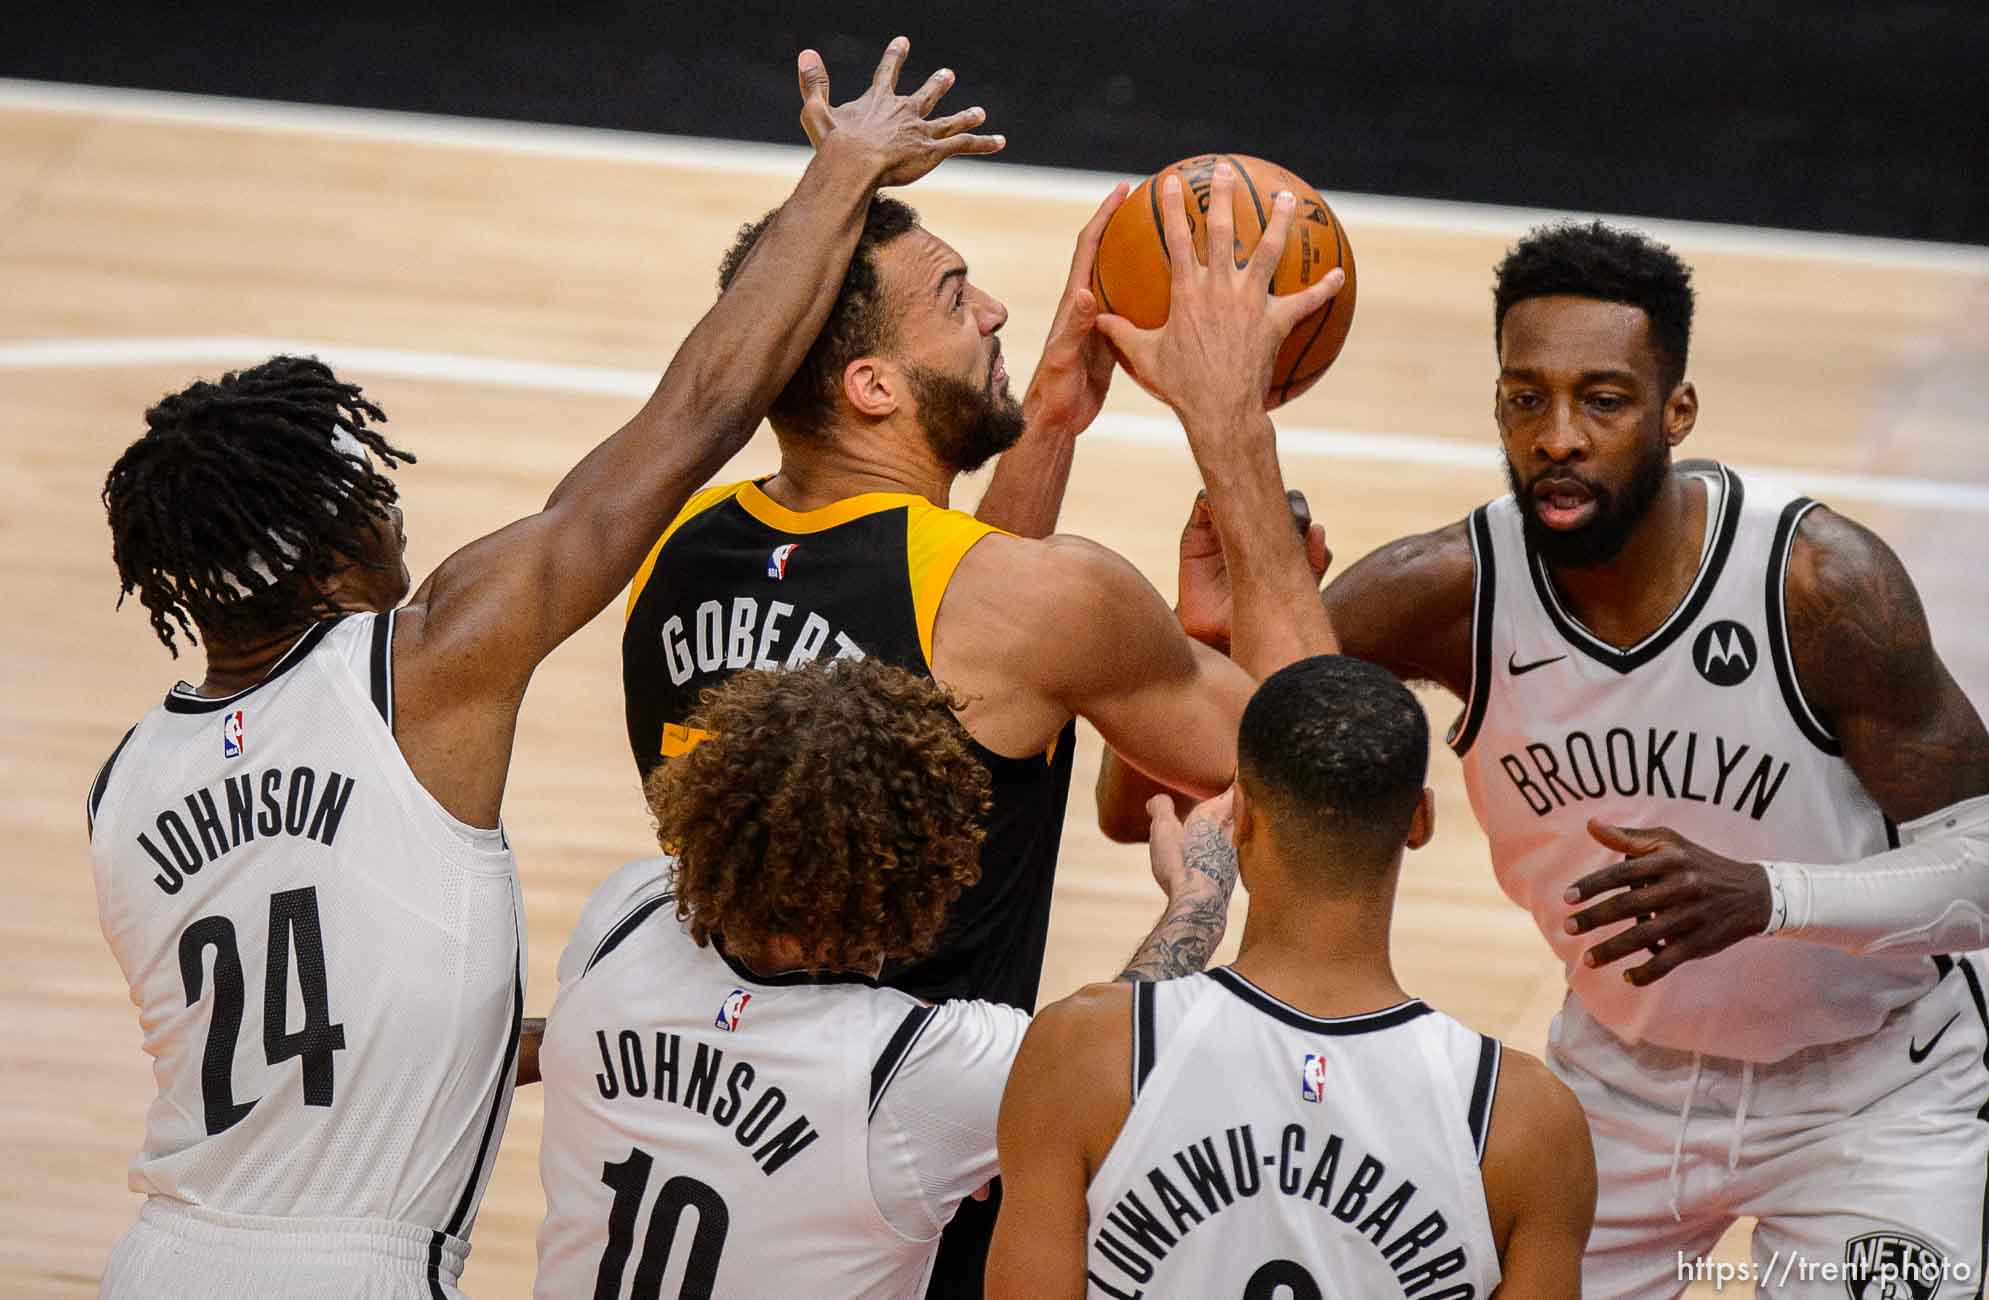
{"type": "Point", "coordinates": [1866, 662]}
{"type": "Point", "coordinates": [1405, 606]}
{"type": "Point", "coordinates": [1066, 1101]}
{"type": "Point", "coordinates": [1035, 632]}
{"type": "Point", "coordinates": [1065, 394]}
{"type": "Point", "coordinates": [478, 628]}
{"type": "Point", "coordinates": [1539, 1175]}
{"type": "Point", "coordinates": [1026, 494]}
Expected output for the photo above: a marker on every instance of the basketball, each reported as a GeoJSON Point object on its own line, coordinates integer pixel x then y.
{"type": "Point", "coordinates": [1130, 278]}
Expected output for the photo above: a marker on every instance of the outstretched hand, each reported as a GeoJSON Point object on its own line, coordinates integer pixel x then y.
{"type": "Point", "coordinates": [1069, 385]}
{"type": "Point", "coordinates": [1224, 326]}
{"type": "Point", "coordinates": [889, 133]}
{"type": "Point", "coordinates": [1204, 600]}
{"type": "Point", "coordinates": [1688, 902]}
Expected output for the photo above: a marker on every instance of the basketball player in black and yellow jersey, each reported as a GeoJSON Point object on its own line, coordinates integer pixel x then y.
{"type": "Point", "coordinates": [851, 550]}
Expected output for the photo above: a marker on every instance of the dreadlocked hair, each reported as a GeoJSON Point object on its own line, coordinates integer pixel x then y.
{"type": "Point", "coordinates": [239, 480]}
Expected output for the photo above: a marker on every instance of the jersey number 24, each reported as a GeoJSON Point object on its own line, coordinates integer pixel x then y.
{"type": "Point", "coordinates": [293, 921]}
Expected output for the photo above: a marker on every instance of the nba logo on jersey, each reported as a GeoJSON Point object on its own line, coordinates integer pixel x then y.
{"type": "Point", "coordinates": [777, 562]}
{"type": "Point", "coordinates": [731, 1009]}
{"type": "Point", "coordinates": [231, 735]}
{"type": "Point", "coordinates": [1312, 1078]}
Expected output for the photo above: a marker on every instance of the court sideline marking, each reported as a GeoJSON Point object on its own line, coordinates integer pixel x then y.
{"type": "Point", "coordinates": [968, 176]}
{"type": "Point", "coordinates": [1111, 426]}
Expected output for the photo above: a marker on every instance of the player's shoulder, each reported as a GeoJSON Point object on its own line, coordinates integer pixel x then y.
{"type": "Point", "coordinates": [950, 1045]}
{"type": "Point", "coordinates": [1080, 1035]}
{"type": "Point", "coordinates": [1854, 616]}
{"type": "Point", "coordinates": [1532, 1102]}
{"type": "Point", "coordinates": [1537, 1125]}
{"type": "Point", "coordinates": [1047, 575]}
{"type": "Point", "coordinates": [701, 502]}
{"type": "Point", "coordinates": [1832, 558]}
{"type": "Point", "coordinates": [1073, 1075]}
{"type": "Point", "coordinates": [1091, 1007]}
{"type": "Point", "coordinates": [627, 897]}
{"type": "Point", "coordinates": [1410, 605]}
{"type": "Point", "coordinates": [113, 768]}
{"type": "Point", "coordinates": [1539, 1163]}
{"type": "Point", "coordinates": [1435, 564]}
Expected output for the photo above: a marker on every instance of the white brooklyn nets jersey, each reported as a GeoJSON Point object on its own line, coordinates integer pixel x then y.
{"type": "Point", "coordinates": [1700, 727]}
{"type": "Point", "coordinates": [1273, 1155]}
{"type": "Point", "coordinates": [328, 967]}
{"type": "Point", "coordinates": [709, 1130]}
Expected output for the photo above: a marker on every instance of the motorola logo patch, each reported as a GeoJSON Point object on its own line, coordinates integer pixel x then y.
{"type": "Point", "coordinates": [1724, 653]}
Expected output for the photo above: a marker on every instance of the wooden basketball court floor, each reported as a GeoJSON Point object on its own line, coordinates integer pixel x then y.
{"type": "Point", "coordinates": [509, 294]}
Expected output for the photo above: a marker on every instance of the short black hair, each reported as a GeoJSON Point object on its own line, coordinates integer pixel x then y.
{"type": "Point", "coordinates": [1604, 262]}
{"type": "Point", "coordinates": [858, 324]}
{"type": "Point", "coordinates": [235, 504]}
{"type": "Point", "coordinates": [1338, 748]}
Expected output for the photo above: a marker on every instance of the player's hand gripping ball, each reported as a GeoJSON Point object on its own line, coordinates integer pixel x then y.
{"type": "Point", "coordinates": [1130, 278]}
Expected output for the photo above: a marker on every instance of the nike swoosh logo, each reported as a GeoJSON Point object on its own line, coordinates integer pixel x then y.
{"type": "Point", "coordinates": [1518, 669]}
{"type": "Point", "coordinates": [1916, 1053]}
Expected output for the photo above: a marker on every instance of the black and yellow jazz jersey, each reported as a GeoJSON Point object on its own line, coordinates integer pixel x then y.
{"type": "Point", "coordinates": [740, 581]}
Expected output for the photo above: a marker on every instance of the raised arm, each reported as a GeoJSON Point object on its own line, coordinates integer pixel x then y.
{"type": "Point", "coordinates": [479, 626]}
{"type": "Point", "coordinates": [1211, 362]}
{"type": "Point", "coordinates": [1027, 492]}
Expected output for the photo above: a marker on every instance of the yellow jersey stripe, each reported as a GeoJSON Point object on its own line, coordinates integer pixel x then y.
{"type": "Point", "coordinates": [936, 540]}
{"type": "Point", "coordinates": [697, 505]}
{"type": "Point", "coordinates": [779, 518]}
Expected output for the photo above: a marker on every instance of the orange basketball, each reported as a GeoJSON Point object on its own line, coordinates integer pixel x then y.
{"type": "Point", "coordinates": [1131, 276]}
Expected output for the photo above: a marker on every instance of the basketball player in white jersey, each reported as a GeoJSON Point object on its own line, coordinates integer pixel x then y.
{"type": "Point", "coordinates": [298, 862]}
{"type": "Point", "coordinates": [1712, 710]}
{"type": "Point", "coordinates": [1293, 1125]}
{"type": "Point", "coordinates": [720, 1045]}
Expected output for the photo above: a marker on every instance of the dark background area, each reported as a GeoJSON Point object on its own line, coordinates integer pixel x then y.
{"type": "Point", "coordinates": [1836, 115]}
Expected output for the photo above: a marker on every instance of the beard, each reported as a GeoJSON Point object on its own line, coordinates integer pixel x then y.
{"type": "Point", "coordinates": [1603, 537]}
{"type": "Point", "coordinates": [965, 426]}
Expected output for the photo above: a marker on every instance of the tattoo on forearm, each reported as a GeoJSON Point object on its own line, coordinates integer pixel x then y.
{"type": "Point", "coordinates": [1188, 934]}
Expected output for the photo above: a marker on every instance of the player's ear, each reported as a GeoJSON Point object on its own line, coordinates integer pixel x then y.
{"type": "Point", "coordinates": [1681, 412]}
{"type": "Point", "coordinates": [1243, 816]}
{"type": "Point", "coordinates": [873, 386]}
{"type": "Point", "coordinates": [1422, 825]}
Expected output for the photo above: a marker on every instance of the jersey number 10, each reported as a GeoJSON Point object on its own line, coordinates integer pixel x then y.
{"type": "Point", "coordinates": [630, 1178]}
{"type": "Point", "coordinates": [293, 918]}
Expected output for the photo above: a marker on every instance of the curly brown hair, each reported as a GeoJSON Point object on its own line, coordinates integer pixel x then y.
{"type": "Point", "coordinates": [838, 804]}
